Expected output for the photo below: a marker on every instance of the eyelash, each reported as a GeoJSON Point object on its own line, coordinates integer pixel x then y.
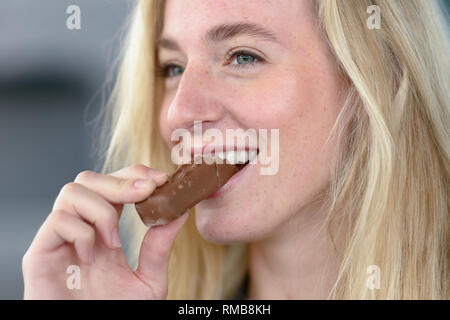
{"type": "Point", "coordinates": [162, 70]}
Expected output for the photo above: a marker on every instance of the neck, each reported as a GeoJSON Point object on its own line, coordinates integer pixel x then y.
{"type": "Point", "coordinates": [297, 262]}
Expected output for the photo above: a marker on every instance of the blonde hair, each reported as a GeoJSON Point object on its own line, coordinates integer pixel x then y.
{"type": "Point", "coordinates": [388, 200]}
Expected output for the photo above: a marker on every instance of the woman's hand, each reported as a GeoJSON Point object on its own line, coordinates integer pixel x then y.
{"type": "Point", "coordinates": [82, 230]}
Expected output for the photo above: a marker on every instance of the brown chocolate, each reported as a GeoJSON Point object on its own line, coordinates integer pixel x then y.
{"type": "Point", "coordinates": [189, 185]}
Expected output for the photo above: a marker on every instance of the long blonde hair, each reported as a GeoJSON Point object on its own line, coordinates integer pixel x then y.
{"type": "Point", "coordinates": [388, 200]}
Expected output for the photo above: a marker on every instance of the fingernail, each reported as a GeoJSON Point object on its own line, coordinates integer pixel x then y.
{"type": "Point", "coordinates": [92, 256]}
{"type": "Point", "coordinates": [139, 184]}
{"type": "Point", "coordinates": [117, 243]}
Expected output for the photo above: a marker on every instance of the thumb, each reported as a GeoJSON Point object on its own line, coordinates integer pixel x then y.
{"type": "Point", "coordinates": [155, 252]}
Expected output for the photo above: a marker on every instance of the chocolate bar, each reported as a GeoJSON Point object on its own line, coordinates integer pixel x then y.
{"type": "Point", "coordinates": [190, 184]}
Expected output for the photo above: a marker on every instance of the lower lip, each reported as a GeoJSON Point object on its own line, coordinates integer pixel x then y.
{"type": "Point", "coordinates": [230, 183]}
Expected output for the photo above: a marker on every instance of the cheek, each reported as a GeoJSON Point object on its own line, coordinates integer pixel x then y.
{"type": "Point", "coordinates": [303, 102]}
{"type": "Point", "coordinates": [305, 119]}
{"type": "Point", "coordinates": [286, 98]}
{"type": "Point", "coordinates": [163, 120]}
{"type": "Point", "coordinates": [311, 112]}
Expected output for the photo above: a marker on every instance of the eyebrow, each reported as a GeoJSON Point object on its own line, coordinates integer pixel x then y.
{"type": "Point", "coordinates": [224, 32]}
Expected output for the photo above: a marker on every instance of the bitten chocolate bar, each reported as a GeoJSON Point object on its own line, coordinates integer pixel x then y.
{"type": "Point", "coordinates": [190, 184]}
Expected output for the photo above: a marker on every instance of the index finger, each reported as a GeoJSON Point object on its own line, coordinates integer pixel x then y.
{"type": "Point", "coordinates": [116, 190]}
{"type": "Point", "coordinates": [140, 171]}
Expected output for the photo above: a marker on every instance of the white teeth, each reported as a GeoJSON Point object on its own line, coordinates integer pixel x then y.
{"type": "Point", "coordinates": [221, 155]}
{"type": "Point", "coordinates": [242, 156]}
{"type": "Point", "coordinates": [236, 157]}
{"type": "Point", "coordinates": [252, 155]}
{"type": "Point", "coordinates": [232, 157]}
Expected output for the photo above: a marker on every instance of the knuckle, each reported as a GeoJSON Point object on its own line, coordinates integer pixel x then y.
{"type": "Point", "coordinates": [60, 220]}
{"type": "Point", "coordinates": [88, 235]}
{"type": "Point", "coordinates": [108, 216]}
{"type": "Point", "coordinates": [139, 168]}
{"type": "Point", "coordinates": [58, 216]}
{"type": "Point", "coordinates": [69, 188]}
{"type": "Point", "coordinates": [84, 176]}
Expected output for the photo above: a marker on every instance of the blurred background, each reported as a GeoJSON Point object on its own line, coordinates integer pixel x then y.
{"type": "Point", "coordinates": [52, 82]}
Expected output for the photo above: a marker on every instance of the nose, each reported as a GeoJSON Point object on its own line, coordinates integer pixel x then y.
{"type": "Point", "coordinates": [196, 99]}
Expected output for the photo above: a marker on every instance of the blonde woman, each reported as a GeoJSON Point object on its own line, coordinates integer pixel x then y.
{"type": "Point", "coordinates": [359, 206]}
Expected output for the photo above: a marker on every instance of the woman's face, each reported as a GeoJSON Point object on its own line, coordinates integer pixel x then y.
{"type": "Point", "coordinates": [285, 80]}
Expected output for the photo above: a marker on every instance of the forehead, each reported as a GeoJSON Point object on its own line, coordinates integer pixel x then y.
{"type": "Point", "coordinates": [189, 19]}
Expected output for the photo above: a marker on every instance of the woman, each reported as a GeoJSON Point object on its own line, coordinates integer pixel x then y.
{"type": "Point", "coordinates": [359, 206]}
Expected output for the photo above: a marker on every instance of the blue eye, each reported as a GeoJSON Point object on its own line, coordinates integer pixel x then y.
{"type": "Point", "coordinates": [243, 59]}
{"type": "Point", "coordinates": [176, 70]}
{"type": "Point", "coordinates": [169, 70]}
{"type": "Point", "coordinates": [246, 59]}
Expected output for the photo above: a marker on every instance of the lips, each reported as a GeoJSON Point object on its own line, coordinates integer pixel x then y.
{"type": "Point", "coordinates": [240, 156]}
{"type": "Point", "coordinates": [243, 158]}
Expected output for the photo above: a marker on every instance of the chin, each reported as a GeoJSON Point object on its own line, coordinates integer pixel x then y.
{"type": "Point", "coordinates": [220, 226]}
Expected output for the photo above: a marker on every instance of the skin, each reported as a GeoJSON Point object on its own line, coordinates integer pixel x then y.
{"type": "Point", "coordinates": [296, 90]}
{"type": "Point", "coordinates": [81, 230]}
